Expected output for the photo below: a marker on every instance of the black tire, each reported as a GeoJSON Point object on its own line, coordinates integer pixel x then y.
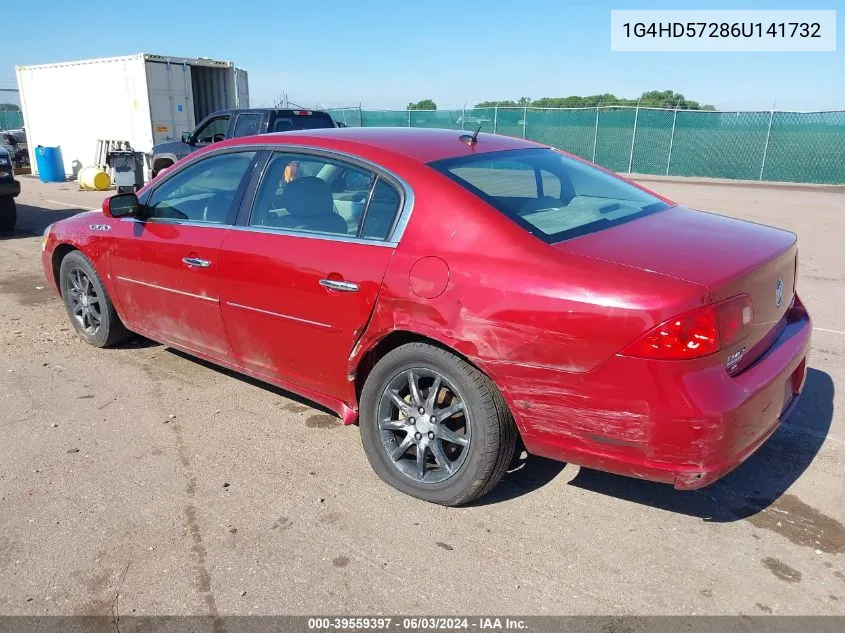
{"type": "Point", "coordinates": [8, 214]}
{"type": "Point", "coordinates": [110, 331]}
{"type": "Point", "coordinates": [490, 425]}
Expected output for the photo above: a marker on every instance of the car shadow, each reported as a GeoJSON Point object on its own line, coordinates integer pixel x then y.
{"type": "Point", "coordinates": [33, 220]}
{"type": "Point", "coordinates": [138, 342]}
{"type": "Point", "coordinates": [752, 487]}
{"type": "Point", "coordinates": [746, 491]}
{"type": "Point", "coordinates": [253, 381]}
{"type": "Point", "coordinates": [526, 473]}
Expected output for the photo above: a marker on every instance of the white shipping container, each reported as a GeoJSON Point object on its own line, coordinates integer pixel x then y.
{"type": "Point", "coordinates": [143, 99]}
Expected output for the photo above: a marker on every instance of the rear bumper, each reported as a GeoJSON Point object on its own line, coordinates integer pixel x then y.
{"type": "Point", "coordinates": [10, 188]}
{"type": "Point", "coordinates": [687, 424]}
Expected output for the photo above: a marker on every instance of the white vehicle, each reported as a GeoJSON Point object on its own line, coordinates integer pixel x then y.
{"type": "Point", "coordinates": [141, 99]}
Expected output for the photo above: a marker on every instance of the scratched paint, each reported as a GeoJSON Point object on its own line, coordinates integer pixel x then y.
{"type": "Point", "coordinates": [547, 323]}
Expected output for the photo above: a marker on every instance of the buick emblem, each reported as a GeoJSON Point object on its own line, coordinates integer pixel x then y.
{"type": "Point", "coordinates": [778, 292]}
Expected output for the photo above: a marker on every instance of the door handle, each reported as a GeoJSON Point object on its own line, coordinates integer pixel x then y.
{"type": "Point", "coordinates": [196, 262]}
{"type": "Point", "coordinates": [342, 286]}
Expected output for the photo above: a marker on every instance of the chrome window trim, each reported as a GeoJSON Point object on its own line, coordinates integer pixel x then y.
{"type": "Point", "coordinates": [165, 288]}
{"type": "Point", "coordinates": [279, 315]}
{"type": "Point", "coordinates": [314, 236]}
{"type": "Point", "coordinates": [209, 225]}
{"type": "Point", "coordinates": [399, 225]}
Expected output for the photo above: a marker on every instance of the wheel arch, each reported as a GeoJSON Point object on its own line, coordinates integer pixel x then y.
{"type": "Point", "coordinates": [59, 253]}
{"type": "Point", "coordinates": [380, 347]}
{"type": "Point", "coordinates": [497, 451]}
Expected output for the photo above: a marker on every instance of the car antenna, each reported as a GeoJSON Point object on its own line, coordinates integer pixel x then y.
{"type": "Point", "coordinates": [470, 140]}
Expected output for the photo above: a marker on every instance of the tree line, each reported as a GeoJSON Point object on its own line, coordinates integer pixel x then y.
{"type": "Point", "coordinates": [648, 99]}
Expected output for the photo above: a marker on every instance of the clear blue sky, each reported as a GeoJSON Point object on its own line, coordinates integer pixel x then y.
{"type": "Point", "coordinates": [385, 53]}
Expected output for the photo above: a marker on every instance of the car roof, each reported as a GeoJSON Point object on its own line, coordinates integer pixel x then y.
{"type": "Point", "coordinates": [276, 110]}
{"type": "Point", "coordinates": [423, 144]}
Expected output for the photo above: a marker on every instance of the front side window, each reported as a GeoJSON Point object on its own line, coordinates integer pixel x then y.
{"type": "Point", "coordinates": [214, 130]}
{"type": "Point", "coordinates": [202, 192]}
{"type": "Point", "coordinates": [549, 194]}
{"type": "Point", "coordinates": [321, 195]}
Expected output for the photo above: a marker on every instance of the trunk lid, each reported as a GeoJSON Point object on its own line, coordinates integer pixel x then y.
{"type": "Point", "coordinates": [727, 256]}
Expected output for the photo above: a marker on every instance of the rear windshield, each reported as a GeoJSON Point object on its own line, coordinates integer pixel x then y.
{"type": "Point", "coordinates": [549, 194]}
{"type": "Point", "coordinates": [287, 121]}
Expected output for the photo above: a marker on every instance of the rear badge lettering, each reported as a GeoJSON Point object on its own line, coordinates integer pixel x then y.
{"type": "Point", "coordinates": [733, 359]}
{"type": "Point", "coordinates": [778, 292]}
{"type": "Point", "coordinates": [99, 227]}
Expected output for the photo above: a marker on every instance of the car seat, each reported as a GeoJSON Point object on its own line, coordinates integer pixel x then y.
{"type": "Point", "coordinates": [310, 206]}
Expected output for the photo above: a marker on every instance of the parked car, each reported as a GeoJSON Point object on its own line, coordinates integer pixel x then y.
{"type": "Point", "coordinates": [9, 190]}
{"type": "Point", "coordinates": [450, 293]}
{"type": "Point", "coordinates": [14, 142]}
{"type": "Point", "coordinates": [234, 123]}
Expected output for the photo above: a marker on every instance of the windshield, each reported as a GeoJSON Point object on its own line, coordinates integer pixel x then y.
{"type": "Point", "coordinates": [549, 194]}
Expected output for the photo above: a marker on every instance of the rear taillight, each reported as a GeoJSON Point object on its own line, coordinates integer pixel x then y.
{"type": "Point", "coordinates": [735, 316]}
{"type": "Point", "coordinates": [697, 333]}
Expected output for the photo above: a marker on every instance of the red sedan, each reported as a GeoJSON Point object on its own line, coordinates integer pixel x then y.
{"type": "Point", "coordinates": [451, 292]}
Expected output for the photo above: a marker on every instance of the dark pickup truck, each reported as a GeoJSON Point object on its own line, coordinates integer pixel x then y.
{"type": "Point", "coordinates": [9, 188]}
{"type": "Point", "coordinates": [231, 123]}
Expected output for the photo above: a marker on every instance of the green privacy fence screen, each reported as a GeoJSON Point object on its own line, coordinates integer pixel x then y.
{"type": "Point", "coordinates": [773, 146]}
{"type": "Point", "coordinates": [10, 120]}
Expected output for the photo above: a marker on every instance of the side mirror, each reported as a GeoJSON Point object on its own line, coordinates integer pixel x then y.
{"type": "Point", "coordinates": [123, 205]}
{"type": "Point", "coordinates": [186, 138]}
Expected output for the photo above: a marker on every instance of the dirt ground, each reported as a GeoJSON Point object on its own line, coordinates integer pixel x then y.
{"type": "Point", "coordinates": [187, 489]}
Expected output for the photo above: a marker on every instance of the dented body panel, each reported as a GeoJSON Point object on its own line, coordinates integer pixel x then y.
{"type": "Point", "coordinates": [548, 323]}
{"type": "Point", "coordinates": [280, 321]}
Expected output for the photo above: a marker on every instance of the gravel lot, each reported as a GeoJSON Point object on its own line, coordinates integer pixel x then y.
{"type": "Point", "coordinates": [190, 490]}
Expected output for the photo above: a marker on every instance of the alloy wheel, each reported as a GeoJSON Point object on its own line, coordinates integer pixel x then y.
{"type": "Point", "coordinates": [84, 301]}
{"type": "Point", "coordinates": [424, 425]}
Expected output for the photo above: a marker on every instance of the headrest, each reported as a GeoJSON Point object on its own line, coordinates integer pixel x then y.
{"type": "Point", "coordinates": [308, 196]}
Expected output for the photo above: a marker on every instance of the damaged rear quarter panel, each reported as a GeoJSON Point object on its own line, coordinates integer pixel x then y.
{"type": "Point", "coordinates": [536, 320]}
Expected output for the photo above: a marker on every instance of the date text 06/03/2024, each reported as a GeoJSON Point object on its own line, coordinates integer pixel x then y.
{"type": "Point", "coordinates": [418, 623]}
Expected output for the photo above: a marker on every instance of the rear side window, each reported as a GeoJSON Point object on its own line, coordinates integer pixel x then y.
{"type": "Point", "coordinates": [315, 194]}
{"type": "Point", "coordinates": [248, 124]}
{"type": "Point", "coordinates": [549, 194]}
{"type": "Point", "coordinates": [311, 194]}
{"type": "Point", "coordinates": [381, 211]}
{"type": "Point", "coordinates": [301, 120]}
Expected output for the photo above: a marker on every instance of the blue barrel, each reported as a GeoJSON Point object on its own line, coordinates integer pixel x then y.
{"type": "Point", "coordinates": [51, 166]}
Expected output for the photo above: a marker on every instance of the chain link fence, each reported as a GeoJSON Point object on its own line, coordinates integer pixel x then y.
{"type": "Point", "coordinates": [772, 146]}
{"type": "Point", "coordinates": [11, 120]}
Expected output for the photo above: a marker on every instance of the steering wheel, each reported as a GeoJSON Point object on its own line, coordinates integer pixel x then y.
{"type": "Point", "coordinates": [218, 137]}
{"type": "Point", "coordinates": [171, 213]}
{"type": "Point", "coordinates": [217, 206]}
